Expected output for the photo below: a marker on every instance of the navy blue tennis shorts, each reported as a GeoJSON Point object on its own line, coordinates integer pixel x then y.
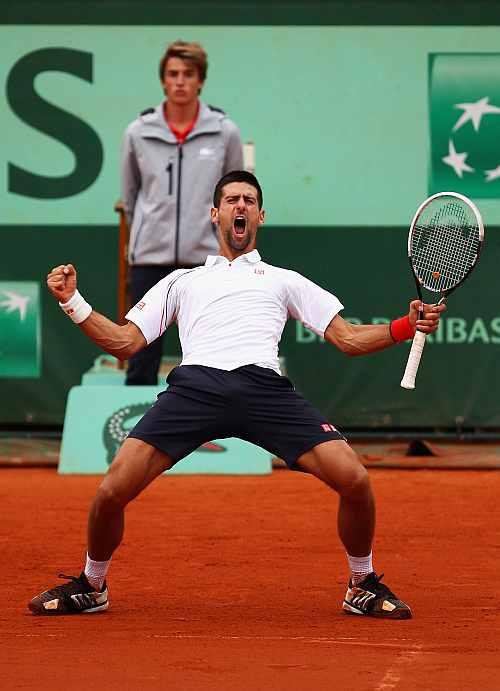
{"type": "Point", "coordinates": [253, 403]}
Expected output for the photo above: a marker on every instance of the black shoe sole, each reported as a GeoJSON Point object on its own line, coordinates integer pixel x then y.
{"type": "Point", "coordinates": [396, 614]}
{"type": "Point", "coordinates": [39, 611]}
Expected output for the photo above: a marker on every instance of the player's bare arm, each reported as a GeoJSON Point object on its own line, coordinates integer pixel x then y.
{"type": "Point", "coordinates": [120, 341]}
{"type": "Point", "coordinates": [361, 339]}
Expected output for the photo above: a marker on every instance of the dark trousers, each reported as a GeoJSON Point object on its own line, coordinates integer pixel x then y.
{"type": "Point", "coordinates": [143, 366]}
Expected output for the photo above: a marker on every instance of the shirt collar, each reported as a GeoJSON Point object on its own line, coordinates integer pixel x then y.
{"type": "Point", "coordinates": [251, 257]}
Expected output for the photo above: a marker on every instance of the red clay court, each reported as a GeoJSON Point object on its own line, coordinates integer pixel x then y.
{"type": "Point", "coordinates": [235, 584]}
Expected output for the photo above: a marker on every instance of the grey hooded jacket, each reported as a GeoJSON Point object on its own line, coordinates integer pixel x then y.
{"type": "Point", "coordinates": [167, 188]}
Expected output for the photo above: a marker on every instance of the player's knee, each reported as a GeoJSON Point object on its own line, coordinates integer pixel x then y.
{"type": "Point", "coordinates": [108, 498]}
{"type": "Point", "coordinates": [354, 483]}
{"type": "Point", "coordinates": [343, 472]}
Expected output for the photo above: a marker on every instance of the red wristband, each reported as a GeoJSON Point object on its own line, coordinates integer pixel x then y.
{"type": "Point", "coordinates": [401, 329]}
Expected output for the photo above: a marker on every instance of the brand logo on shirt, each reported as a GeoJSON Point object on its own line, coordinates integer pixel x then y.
{"type": "Point", "coordinates": [328, 428]}
{"type": "Point", "coordinates": [259, 272]}
{"type": "Point", "coordinates": [206, 152]}
{"type": "Point", "coordinates": [141, 305]}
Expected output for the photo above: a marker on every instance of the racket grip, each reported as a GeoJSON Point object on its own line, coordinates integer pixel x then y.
{"type": "Point", "coordinates": [417, 346]}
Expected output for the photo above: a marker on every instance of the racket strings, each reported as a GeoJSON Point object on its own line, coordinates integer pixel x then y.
{"type": "Point", "coordinates": [445, 244]}
{"type": "Point", "coordinates": [439, 265]}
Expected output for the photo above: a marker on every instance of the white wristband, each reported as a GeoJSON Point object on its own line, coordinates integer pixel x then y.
{"type": "Point", "coordinates": [77, 308]}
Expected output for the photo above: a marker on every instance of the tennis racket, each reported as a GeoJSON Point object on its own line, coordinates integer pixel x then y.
{"type": "Point", "coordinates": [444, 243]}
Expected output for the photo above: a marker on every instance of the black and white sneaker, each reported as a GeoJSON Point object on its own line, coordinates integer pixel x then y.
{"type": "Point", "coordinates": [75, 597]}
{"type": "Point", "coordinates": [374, 599]}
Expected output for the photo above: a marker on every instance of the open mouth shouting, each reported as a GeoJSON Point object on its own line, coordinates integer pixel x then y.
{"type": "Point", "coordinates": [239, 225]}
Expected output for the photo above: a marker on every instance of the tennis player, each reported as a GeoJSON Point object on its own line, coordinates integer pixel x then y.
{"type": "Point", "coordinates": [230, 314]}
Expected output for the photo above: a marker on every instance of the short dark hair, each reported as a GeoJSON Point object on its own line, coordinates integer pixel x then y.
{"type": "Point", "coordinates": [237, 176]}
{"type": "Point", "coordinates": [192, 52]}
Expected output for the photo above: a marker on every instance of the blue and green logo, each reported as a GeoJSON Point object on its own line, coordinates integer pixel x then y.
{"type": "Point", "coordinates": [464, 111]}
{"type": "Point", "coordinates": [20, 338]}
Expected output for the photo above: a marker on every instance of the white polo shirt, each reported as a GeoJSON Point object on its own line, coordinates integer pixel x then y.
{"type": "Point", "coordinates": [232, 313]}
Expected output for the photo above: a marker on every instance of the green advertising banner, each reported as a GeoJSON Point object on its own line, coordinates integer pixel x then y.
{"type": "Point", "coordinates": [341, 138]}
{"type": "Point", "coordinates": [20, 329]}
{"type": "Point", "coordinates": [39, 397]}
{"type": "Point", "coordinates": [464, 96]}
{"type": "Point", "coordinates": [458, 382]}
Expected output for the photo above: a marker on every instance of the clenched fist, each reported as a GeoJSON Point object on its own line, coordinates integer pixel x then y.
{"type": "Point", "coordinates": [61, 282]}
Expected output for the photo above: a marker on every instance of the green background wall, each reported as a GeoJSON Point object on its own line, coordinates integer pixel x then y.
{"type": "Point", "coordinates": [339, 115]}
{"type": "Point", "coordinates": [459, 379]}
{"type": "Point", "coordinates": [335, 97]}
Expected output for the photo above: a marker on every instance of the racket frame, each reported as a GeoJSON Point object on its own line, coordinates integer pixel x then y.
{"type": "Point", "coordinates": [475, 210]}
{"type": "Point", "coordinates": [408, 380]}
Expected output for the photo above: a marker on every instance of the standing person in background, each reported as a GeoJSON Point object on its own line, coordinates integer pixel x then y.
{"type": "Point", "coordinates": [172, 157]}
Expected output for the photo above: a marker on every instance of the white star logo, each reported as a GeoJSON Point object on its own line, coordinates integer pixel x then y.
{"type": "Point", "coordinates": [15, 302]}
{"type": "Point", "coordinates": [474, 112]}
{"type": "Point", "coordinates": [457, 161]}
{"type": "Point", "coordinates": [492, 174]}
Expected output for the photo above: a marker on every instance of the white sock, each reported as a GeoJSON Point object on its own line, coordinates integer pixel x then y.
{"type": "Point", "coordinates": [360, 567]}
{"type": "Point", "coordinates": [96, 572]}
